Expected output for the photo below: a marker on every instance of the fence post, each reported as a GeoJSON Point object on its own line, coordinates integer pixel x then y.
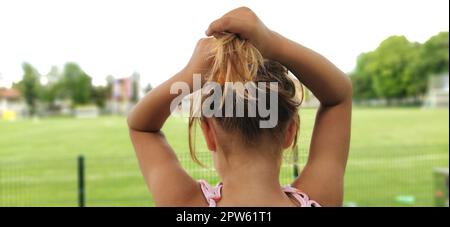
{"type": "Point", "coordinates": [81, 191]}
{"type": "Point", "coordinates": [295, 160]}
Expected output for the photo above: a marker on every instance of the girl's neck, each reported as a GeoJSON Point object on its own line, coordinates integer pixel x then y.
{"type": "Point", "coordinates": [252, 181]}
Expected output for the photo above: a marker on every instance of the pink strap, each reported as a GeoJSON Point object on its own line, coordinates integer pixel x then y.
{"type": "Point", "coordinates": [212, 194]}
{"type": "Point", "coordinates": [300, 196]}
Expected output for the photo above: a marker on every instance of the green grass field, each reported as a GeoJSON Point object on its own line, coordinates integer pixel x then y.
{"type": "Point", "coordinates": [393, 152]}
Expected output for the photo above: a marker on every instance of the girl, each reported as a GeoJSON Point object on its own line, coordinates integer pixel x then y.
{"type": "Point", "coordinates": [247, 157]}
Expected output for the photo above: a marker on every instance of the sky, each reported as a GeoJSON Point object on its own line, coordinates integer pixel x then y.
{"type": "Point", "coordinates": [156, 38]}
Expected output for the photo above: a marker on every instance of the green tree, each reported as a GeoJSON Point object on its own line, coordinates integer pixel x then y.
{"type": "Point", "coordinates": [434, 53]}
{"type": "Point", "coordinates": [392, 74]}
{"type": "Point", "coordinates": [135, 87]}
{"type": "Point", "coordinates": [109, 85]}
{"type": "Point", "coordinates": [399, 68]}
{"type": "Point", "coordinates": [432, 60]}
{"type": "Point", "coordinates": [77, 84]}
{"type": "Point", "coordinates": [386, 72]}
{"type": "Point", "coordinates": [100, 95]}
{"type": "Point", "coordinates": [148, 88]}
{"type": "Point", "coordinates": [362, 78]}
{"type": "Point", "coordinates": [30, 87]}
{"type": "Point", "coordinates": [53, 90]}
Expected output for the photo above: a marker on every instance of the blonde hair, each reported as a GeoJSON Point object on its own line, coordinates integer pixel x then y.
{"type": "Point", "coordinates": [237, 60]}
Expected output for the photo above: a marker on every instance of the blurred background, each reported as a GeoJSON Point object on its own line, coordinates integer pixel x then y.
{"type": "Point", "coordinates": [71, 70]}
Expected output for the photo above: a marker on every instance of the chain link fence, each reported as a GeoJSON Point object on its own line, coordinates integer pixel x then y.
{"type": "Point", "coordinates": [106, 180]}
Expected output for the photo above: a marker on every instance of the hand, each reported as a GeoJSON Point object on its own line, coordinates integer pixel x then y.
{"type": "Point", "coordinates": [244, 22]}
{"type": "Point", "coordinates": [201, 59]}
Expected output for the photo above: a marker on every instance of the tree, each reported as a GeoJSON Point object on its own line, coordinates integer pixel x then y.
{"type": "Point", "coordinates": [148, 88]}
{"type": "Point", "coordinates": [399, 68]}
{"type": "Point", "coordinates": [135, 87]}
{"type": "Point", "coordinates": [30, 86]}
{"type": "Point", "coordinates": [387, 71]}
{"type": "Point", "coordinates": [53, 90]}
{"type": "Point", "coordinates": [77, 84]}
{"type": "Point", "coordinates": [432, 60]}
{"type": "Point", "coordinates": [434, 54]}
{"type": "Point", "coordinates": [109, 86]}
{"type": "Point", "coordinates": [99, 95]}
{"type": "Point", "coordinates": [392, 75]}
{"type": "Point", "coordinates": [362, 79]}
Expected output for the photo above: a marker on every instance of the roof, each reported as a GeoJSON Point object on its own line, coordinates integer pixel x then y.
{"type": "Point", "coordinates": [9, 93]}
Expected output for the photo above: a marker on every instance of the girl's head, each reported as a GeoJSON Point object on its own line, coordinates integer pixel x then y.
{"type": "Point", "coordinates": [237, 60]}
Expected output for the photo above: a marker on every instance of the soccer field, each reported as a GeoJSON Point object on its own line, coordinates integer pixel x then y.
{"type": "Point", "coordinates": [393, 153]}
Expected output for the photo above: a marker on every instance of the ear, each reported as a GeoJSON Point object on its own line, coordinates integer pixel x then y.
{"type": "Point", "coordinates": [291, 132]}
{"type": "Point", "coordinates": [208, 133]}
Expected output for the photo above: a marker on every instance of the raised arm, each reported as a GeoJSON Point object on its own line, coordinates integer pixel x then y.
{"type": "Point", "coordinates": [169, 184]}
{"type": "Point", "coordinates": [323, 176]}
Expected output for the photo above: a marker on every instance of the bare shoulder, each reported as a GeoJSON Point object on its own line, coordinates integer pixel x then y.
{"type": "Point", "coordinates": [168, 182]}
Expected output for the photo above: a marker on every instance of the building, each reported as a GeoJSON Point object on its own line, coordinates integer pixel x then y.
{"type": "Point", "coordinates": [11, 104]}
{"type": "Point", "coordinates": [438, 91]}
{"type": "Point", "coordinates": [125, 93]}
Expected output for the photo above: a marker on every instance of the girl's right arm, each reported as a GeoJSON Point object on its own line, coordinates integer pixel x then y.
{"type": "Point", "coordinates": [323, 176]}
{"type": "Point", "coordinates": [168, 182]}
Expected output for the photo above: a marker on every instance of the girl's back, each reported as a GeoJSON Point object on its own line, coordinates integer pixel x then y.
{"type": "Point", "coordinates": [247, 107]}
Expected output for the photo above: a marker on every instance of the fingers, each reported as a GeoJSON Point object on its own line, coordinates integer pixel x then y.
{"type": "Point", "coordinates": [232, 22]}
{"type": "Point", "coordinates": [224, 24]}
{"type": "Point", "coordinates": [215, 27]}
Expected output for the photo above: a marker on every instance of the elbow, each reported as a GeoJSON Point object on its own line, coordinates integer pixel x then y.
{"type": "Point", "coordinates": [347, 88]}
{"type": "Point", "coordinates": [136, 124]}
{"type": "Point", "coordinates": [346, 91]}
{"type": "Point", "coordinates": [130, 121]}
{"type": "Point", "coordinates": [341, 93]}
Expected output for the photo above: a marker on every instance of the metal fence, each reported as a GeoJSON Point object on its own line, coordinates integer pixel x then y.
{"type": "Point", "coordinates": [91, 180]}
{"type": "Point", "coordinates": [117, 181]}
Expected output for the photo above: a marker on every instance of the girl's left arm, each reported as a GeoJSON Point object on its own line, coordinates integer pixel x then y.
{"type": "Point", "coordinates": [168, 182]}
